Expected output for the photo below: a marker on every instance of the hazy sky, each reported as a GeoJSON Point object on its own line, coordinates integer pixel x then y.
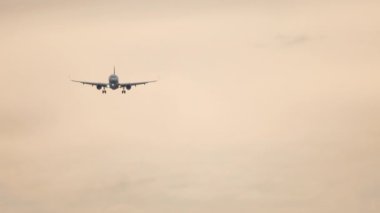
{"type": "Point", "coordinates": [261, 106]}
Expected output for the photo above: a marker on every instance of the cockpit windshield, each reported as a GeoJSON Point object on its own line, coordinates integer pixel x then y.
{"type": "Point", "coordinates": [113, 78]}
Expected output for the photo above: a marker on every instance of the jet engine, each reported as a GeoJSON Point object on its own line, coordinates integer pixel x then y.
{"type": "Point", "coordinates": [128, 87]}
{"type": "Point", "coordinates": [99, 87]}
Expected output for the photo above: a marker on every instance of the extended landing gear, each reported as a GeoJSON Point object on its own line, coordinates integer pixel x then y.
{"type": "Point", "coordinates": [104, 91]}
{"type": "Point", "coordinates": [123, 91]}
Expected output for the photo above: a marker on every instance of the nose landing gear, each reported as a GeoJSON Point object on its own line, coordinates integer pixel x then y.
{"type": "Point", "coordinates": [123, 91]}
{"type": "Point", "coordinates": [104, 91]}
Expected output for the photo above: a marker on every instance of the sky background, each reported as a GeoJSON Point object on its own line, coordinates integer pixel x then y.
{"type": "Point", "coordinates": [261, 106]}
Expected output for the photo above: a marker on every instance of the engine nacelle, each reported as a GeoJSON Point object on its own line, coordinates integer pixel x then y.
{"type": "Point", "coordinates": [128, 87]}
{"type": "Point", "coordinates": [99, 87]}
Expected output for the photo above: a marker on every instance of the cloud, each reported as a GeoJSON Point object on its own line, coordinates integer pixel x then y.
{"type": "Point", "coordinates": [292, 40]}
{"type": "Point", "coordinates": [15, 124]}
{"type": "Point", "coordinates": [371, 192]}
{"type": "Point", "coordinates": [228, 128]}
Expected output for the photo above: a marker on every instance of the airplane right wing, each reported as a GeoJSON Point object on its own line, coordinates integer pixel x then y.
{"type": "Point", "coordinates": [97, 84]}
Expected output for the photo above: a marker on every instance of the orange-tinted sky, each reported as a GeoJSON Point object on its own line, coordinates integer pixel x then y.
{"type": "Point", "coordinates": [261, 106]}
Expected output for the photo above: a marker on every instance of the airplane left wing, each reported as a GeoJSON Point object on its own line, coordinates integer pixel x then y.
{"type": "Point", "coordinates": [135, 83]}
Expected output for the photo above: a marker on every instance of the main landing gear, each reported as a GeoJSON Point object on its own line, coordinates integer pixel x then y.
{"type": "Point", "coordinates": [123, 91]}
{"type": "Point", "coordinates": [104, 91]}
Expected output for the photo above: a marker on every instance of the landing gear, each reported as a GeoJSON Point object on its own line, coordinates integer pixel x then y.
{"type": "Point", "coordinates": [123, 91]}
{"type": "Point", "coordinates": [104, 91]}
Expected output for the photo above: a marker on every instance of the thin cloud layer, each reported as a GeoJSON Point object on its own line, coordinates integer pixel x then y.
{"type": "Point", "coordinates": [228, 127]}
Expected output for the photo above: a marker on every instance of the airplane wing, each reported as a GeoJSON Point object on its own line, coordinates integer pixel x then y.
{"type": "Point", "coordinates": [92, 83]}
{"type": "Point", "coordinates": [135, 83]}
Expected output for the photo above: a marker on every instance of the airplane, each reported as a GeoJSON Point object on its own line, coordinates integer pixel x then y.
{"type": "Point", "coordinates": [113, 83]}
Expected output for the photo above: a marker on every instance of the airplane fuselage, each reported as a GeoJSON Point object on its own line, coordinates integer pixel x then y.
{"type": "Point", "coordinates": [113, 81]}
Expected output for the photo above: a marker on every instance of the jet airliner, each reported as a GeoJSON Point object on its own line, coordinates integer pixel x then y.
{"type": "Point", "coordinates": [113, 83]}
